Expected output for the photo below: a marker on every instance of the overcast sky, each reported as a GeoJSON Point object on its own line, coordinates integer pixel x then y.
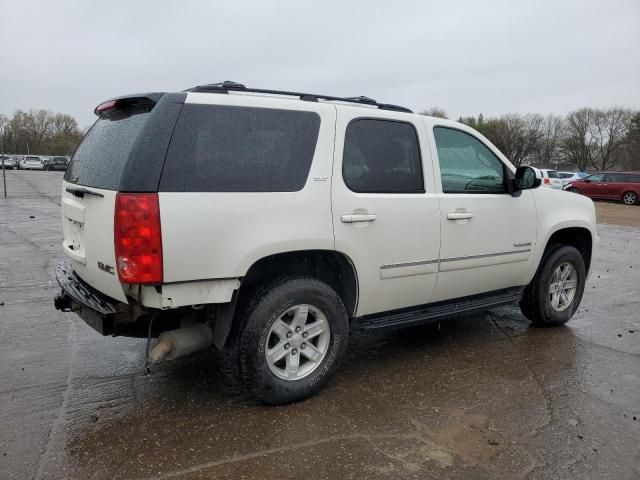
{"type": "Point", "coordinates": [466, 57]}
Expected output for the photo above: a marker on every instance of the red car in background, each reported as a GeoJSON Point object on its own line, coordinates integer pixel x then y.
{"type": "Point", "coordinates": [624, 186]}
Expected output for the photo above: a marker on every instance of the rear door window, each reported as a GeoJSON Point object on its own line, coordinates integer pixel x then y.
{"type": "Point", "coordinates": [240, 149]}
{"type": "Point", "coordinates": [103, 153]}
{"type": "Point", "coordinates": [382, 156]}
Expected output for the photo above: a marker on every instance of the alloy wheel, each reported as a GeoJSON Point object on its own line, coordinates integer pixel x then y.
{"type": "Point", "coordinates": [297, 342]}
{"type": "Point", "coordinates": [563, 285]}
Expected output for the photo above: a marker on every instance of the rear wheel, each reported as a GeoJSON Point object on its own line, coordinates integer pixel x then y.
{"type": "Point", "coordinates": [554, 294]}
{"type": "Point", "coordinates": [630, 198]}
{"type": "Point", "coordinates": [293, 337]}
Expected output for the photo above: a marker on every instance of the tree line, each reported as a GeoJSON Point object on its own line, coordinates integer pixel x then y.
{"type": "Point", "coordinates": [585, 139]}
{"type": "Point", "coordinates": [39, 132]}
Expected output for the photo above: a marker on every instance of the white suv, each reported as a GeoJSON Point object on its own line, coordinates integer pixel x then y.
{"type": "Point", "coordinates": [273, 225]}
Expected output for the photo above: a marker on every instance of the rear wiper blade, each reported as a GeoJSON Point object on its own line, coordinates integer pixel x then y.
{"type": "Point", "coordinates": [81, 191]}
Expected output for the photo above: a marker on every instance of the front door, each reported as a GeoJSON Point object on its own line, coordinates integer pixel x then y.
{"type": "Point", "coordinates": [593, 186]}
{"type": "Point", "coordinates": [385, 210]}
{"type": "Point", "coordinates": [487, 235]}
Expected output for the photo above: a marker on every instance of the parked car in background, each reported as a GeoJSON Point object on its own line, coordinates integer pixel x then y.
{"type": "Point", "coordinates": [621, 186]}
{"type": "Point", "coordinates": [8, 162]}
{"type": "Point", "coordinates": [551, 178]}
{"type": "Point", "coordinates": [568, 177]}
{"type": "Point", "coordinates": [31, 162]}
{"type": "Point", "coordinates": [56, 163]}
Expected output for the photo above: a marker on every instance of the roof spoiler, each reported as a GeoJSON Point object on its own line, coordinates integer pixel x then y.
{"type": "Point", "coordinates": [139, 99]}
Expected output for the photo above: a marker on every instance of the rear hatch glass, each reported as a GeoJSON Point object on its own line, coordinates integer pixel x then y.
{"type": "Point", "coordinates": [101, 157]}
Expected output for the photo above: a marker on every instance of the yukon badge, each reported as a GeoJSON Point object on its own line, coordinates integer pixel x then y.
{"type": "Point", "coordinates": [106, 268]}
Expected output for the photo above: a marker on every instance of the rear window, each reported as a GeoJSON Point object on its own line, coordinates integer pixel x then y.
{"type": "Point", "coordinates": [240, 149]}
{"type": "Point", "coordinates": [552, 174]}
{"type": "Point", "coordinates": [103, 153]}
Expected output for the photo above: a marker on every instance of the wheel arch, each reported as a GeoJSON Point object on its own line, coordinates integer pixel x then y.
{"type": "Point", "coordinates": [578, 237]}
{"type": "Point", "coordinates": [332, 267]}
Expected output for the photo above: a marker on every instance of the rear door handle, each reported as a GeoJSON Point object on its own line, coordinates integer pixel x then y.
{"type": "Point", "coordinates": [459, 215]}
{"type": "Point", "coordinates": [358, 218]}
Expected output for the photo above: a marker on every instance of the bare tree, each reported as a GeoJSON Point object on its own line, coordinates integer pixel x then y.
{"type": "Point", "coordinates": [610, 129]}
{"type": "Point", "coordinates": [548, 145]}
{"type": "Point", "coordinates": [43, 132]}
{"type": "Point", "coordinates": [632, 144]}
{"type": "Point", "coordinates": [435, 112]}
{"type": "Point", "coordinates": [578, 140]}
{"type": "Point", "coordinates": [63, 124]}
{"type": "Point", "coordinates": [516, 136]}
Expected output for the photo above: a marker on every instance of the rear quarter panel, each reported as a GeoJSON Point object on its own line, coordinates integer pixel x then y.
{"type": "Point", "coordinates": [207, 235]}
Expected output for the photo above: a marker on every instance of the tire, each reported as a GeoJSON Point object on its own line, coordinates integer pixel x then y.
{"type": "Point", "coordinates": [275, 305]}
{"type": "Point", "coordinates": [630, 198]}
{"type": "Point", "coordinates": [573, 190]}
{"type": "Point", "coordinates": [537, 301]}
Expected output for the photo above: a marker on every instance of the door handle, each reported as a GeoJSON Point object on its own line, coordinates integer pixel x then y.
{"type": "Point", "coordinates": [459, 215]}
{"type": "Point", "coordinates": [358, 218]}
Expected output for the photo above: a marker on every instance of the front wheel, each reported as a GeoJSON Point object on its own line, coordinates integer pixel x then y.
{"type": "Point", "coordinates": [573, 190]}
{"type": "Point", "coordinates": [630, 198]}
{"type": "Point", "coordinates": [554, 294]}
{"type": "Point", "coordinates": [293, 338]}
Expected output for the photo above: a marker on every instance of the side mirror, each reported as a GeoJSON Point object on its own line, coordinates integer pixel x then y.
{"type": "Point", "coordinates": [527, 178]}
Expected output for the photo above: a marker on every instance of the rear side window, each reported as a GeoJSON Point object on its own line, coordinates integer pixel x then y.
{"type": "Point", "coordinates": [240, 149]}
{"type": "Point", "coordinates": [553, 174]}
{"type": "Point", "coordinates": [382, 156]}
{"type": "Point", "coordinates": [634, 178]}
{"type": "Point", "coordinates": [103, 153]}
{"type": "Point", "coordinates": [615, 177]}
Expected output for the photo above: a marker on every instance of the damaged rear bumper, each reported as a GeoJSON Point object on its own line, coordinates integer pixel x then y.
{"type": "Point", "coordinates": [95, 308]}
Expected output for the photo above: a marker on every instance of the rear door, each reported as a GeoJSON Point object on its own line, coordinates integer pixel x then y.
{"type": "Point", "coordinates": [385, 211]}
{"type": "Point", "coordinates": [88, 197]}
{"type": "Point", "coordinates": [614, 185]}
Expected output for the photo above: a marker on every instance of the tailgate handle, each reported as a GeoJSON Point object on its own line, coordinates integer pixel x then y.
{"type": "Point", "coordinates": [459, 215]}
{"type": "Point", "coordinates": [81, 192]}
{"type": "Point", "coordinates": [358, 218]}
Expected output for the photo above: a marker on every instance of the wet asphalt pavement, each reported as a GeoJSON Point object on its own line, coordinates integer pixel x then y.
{"type": "Point", "coordinates": [478, 397]}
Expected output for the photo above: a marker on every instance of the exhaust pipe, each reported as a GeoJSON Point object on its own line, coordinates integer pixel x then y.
{"type": "Point", "coordinates": [180, 342]}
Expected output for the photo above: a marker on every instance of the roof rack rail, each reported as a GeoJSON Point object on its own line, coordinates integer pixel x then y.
{"type": "Point", "coordinates": [226, 86]}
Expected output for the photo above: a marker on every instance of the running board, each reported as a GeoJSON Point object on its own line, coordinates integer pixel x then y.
{"type": "Point", "coordinates": [420, 314]}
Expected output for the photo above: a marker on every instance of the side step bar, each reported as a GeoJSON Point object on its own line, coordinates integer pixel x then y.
{"type": "Point", "coordinates": [421, 314]}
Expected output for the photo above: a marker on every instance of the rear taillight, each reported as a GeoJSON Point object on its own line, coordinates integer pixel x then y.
{"type": "Point", "coordinates": [138, 238]}
{"type": "Point", "coordinates": [546, 181]}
